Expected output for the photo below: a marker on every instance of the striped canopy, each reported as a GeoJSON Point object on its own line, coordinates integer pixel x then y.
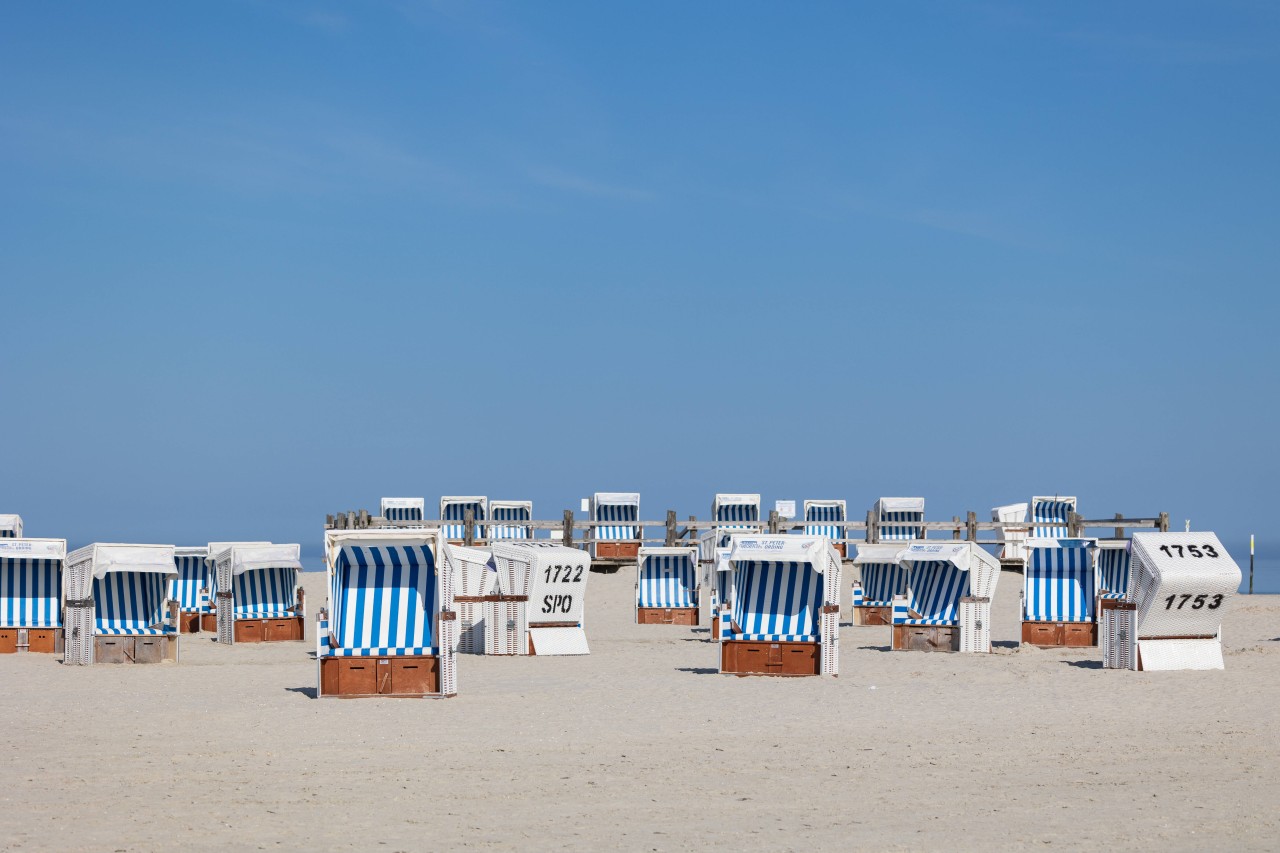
{"type": "Point", "coordinates": [510, 511]}
{"type": "Point", "coordinates": [1113, 571]}
{"type": "Point", "coordinates": [777, 601]}
{"type": "Point", "coordinates": [824, 511]}
{"type": "Point", "coordinates": [29, 593]}
{"type": "Point", "coordinates": [264, 593]}
{"type": "Point", "coordinates": [934, 590]}
{"type": "Point", "coordinates": [736, 508]}
{"type": "Point", "coordinates": [383, 599]}
{"type": "Point", "coordinates": [881, 582]}
{"type": "Point", "coordinates": [130, 603]}
{"type": "Point", "coordinates": [615, 507]}
{"type": "Point", "coordinates": [1049, 516]}
{"type": "Point", "coordinates": [455, 509]}
{"type": "Point", "coordinates": [666, 579]}
{"type": "Point", "coordinates": [1059, 583]}
{"type": "Point", "coordinates": [403, 509]}
{"type": "Point", "coordinates": [194, 574]}
{"type": "Point", "coordinates": [896, 517]}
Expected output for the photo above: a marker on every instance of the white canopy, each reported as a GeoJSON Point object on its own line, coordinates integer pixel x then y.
{"type": "Point", "coordinates": [249, 558]}
{"type": "Point", "coordinates": [878, 553]}
{"type": "Point", "coordinates": [965, 556]}
{"type": "Point", "coordinates": [1061, 543]}
{"type": "Point", "coordinates": [723, 499]}
{"type": "Point", "coordinates": [616, 499]}
{"type": "Point", "coordinates": [105, 557]}
{"type": "Point", "coordinates": [1010, 512]}
{"type": "Point", "coordinates": [900, 505]}
{"type": "Point", "coordinates": [33, 549]}
{"type": "Point", "coordinates": [494, 506]}
{"type": "Point", "coordinates": [216, 548]}
{"type": "Point", "coordinates": [782, 549]}
{"type": "Point", "coordinates": [463, 499]}
{"type": "Point", "coordinates": [11, 522]}
{"type": "Point", "coordinates": [334, 540]}
{"type": "Point", "coordinates": [403, 503]}
{"type": "Point", "coordinates": [191, 551]}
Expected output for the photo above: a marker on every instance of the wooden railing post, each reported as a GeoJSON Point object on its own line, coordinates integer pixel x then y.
{"type": "Point", "coordinates": [567, 541]}
{"type": "Point", "coordinates": [972, 527]}
{"type": "Point", "coordinates": [1119, 530]}
{"type": "Point", "coordinates": [671, 528]}
{"type": "Point", "coordinates": [773, 522]}
{"type": "Point", "coordinates": [873, 528]}
{"type": "Point", "coordinates": [1073, 524]}
{"type": "Point", "coordinates": [955, 531]}
{"type": "Point", "coordinates": [469, 527]}
{"type": "Point", "coordinates": [1164, 522]}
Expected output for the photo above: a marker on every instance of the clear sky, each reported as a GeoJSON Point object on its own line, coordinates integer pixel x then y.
{"type": "Point", "coordinates": [261, 261]}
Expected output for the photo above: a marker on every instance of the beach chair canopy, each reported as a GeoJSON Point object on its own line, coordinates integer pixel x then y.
{"type": "Point", "coordinates": [667, 577]}
{"type": "Point", "coordinates": [31, 582]}
{"type": "Point", "coordinates": [473, 570]}
{"type": "Point", "coordinates": [510, 511]}
{"type": "Point", "coordinates": [939, 575]}
{"type": "Point", "coordinates": [403, 509]}
{"type": "Point", "coordinates": [778, 589]}
{"type": "Point", "coordinates": [10, 526]}
{"type": "Point", "coordinates": [216, 548]}
{"type": "Point", "coordinates": [619, 507]}
{"type": "Point", "coordinates": [820, 517]}
{"type": "Point", "coordinates": [454, 508]}
{"type": "Point", "coordinates": [128, 584]}
{"type": "Point", "coordinates": [882, 576]}
{"type": "Point", "coordinates": [385, 591]}
{"type": "Point", "coordinates": [1179, 594]}
{"type": "Point", "coordinates": [726, 507]}
{"type": "Point", "coordinates": [896, 515]}
{"type": "Point", "coordinates": [1010, 513]}
{"type": "Point", "coordinates": [1049, 516]}
{"type": "Point", "coordinates": [1060, 581]}
{"type": "Point", "coordinates": [192, 566]}
{"type": "Point", "coordinates": [1113, 568]}
{"type": "Point", "coordinates": [263, 579]}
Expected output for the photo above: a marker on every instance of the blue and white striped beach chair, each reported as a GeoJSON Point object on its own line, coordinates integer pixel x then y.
{"type": "Point", "coordinates": [899, 519]}
{"type": "Point", "coordinates": [390, 629]}
{"type": "Point", "coordinates": [880, 579]}
{"type": "Point", "coordinates": [259, 598]}
{"type": "Point", "coordinates": [453, 511]}
{"type": "Point", "coordinates": [735, 512]}
{"type": "Point", "coordinates": [667, 586]}
{"type": "Point", "coordinates": [30, 594]}
{"type": "Point", "coordinates": [1113, 569]}
{"type": "Point", "coordinates": [1050, 517]}
{"type": "Point", "coordinates": [1060, 593]}
{"type": "Point", "coordinates": [784, 617]}
{"type": "Point", "coordinates": [117, 607]}
{"type": "Point", "coordinates": [10, 527]}
{"type": "Point", "coordinates": [508, 512]}
{"type": "Point", "coordinates": [192, 588]}
{"type": "Point", "coordinates": [823, 518]}
{"type": "Point", "coordinates": [947, 606]}
{"type": "Point", "coordinates": [404, 510]}
{"type": "Point", "coordinates": [619, 537]}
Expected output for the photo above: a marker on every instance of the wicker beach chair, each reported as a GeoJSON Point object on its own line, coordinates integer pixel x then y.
{"type": "Point", "coordinates": [667, 586]}
{"type": "Point", "coordinates": [30, 595]}
{"type": "Point", "coordinates": [947, 606]}
{"type": "Point", "coordinates": [116, 605]}
{"type": "Point", "coordinates": [259, 597]}
{"type": "Point", "coordinates": [619, 539]}
{"type": "Point", "coordinates": [1060, 593]}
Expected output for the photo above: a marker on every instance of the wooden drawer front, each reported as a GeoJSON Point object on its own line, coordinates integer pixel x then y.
{"type": "Point", "coordinates": [113, 649]}
{"type": "Point", "coordinates": [189, 623]}
{"type": "Point", "coordinates": [1080, 634]}
{"type": "Point", "coordinates": [8, 641]}
{"type": "Point", "coordinates": [357, 676]}
{"type": "Point", "coordinates": [1042, 633]}
{"type": "Point", "coordinates": [617, 550]}
{"type": "Point", "coordinates": [874, 615]}
{"type": "Point", "coordinates": [209, 622]}
{"type": "Point", "coordinates": [667, 616]}
{"type": "Point", "coordinates": [249, 630]}
{"type": "Point", "coordinates": [282, 629]}
{"type": "Point", "coordinates": [414, 676]}
{"type": "Point", "coordinates": [43, 640]}
{"type": "Point", "coordinates": [926, 638]}
{"type": "Point", "coordinates": [149, 649]}
{"type": "Point", "coordinates": [770, 658]}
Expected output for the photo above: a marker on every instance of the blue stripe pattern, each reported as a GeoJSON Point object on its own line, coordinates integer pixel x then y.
{"type": "Point", "coordinates": [129, 603]}
{"type": "Point", "coordinates": [667, 580]}
{"type": "Point", "coordinates": [193, 576]}
{"type": "Point", "coordinates": [737, 512]}
{"type": "Point", "coordinates": [1113, 566]}
{"type": "Point", "coordinates": [894, 525]}
{"type": "Point", "coordinates": [934, 590]}
{"type": "Point", "coordinates": [384, 597]}
{"type": "Point", "coordinates": [404, 513]}
{"type": "Point", "coordinates": [827, 514]}
{"type": "Point", "coordinates": [263, 593]}
{"type": "Point", "coordinates": [616, 512]}
{"type": "Point", "coordinates": [1058, 586]}
{"type": "Point", "coordinates": [510, 531]}
{"type": "Point", "coordinates": [881, 582]}
{"type": "Point", "coordinates": [1052, 513]}
{"type": "Point", "coordinates": [29, 592]}
{"type": "Point", "coordinates": [8, 534]}
{"type": "Point", "coordinates": [778, 601]}
{"type": "Point", "coordinates": [458, 512]}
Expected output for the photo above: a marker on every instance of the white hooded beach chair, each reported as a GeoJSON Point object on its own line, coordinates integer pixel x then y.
{"type": "Point", "coordinates": [403, 510]}
{"type": "Point", "coordinates": [192, 587]}
{"type": "Point", "coordinates": [619, 538]}
{"type": "Point", "coordinates": [1182, 585]}
{"type": "Point", "coordinates": [667, 586]}
{"type": "Point", "coordinates": [899, 519]}
{"type": "Point", "coordinates": [453, 512]}
{"type": "Point", "coordinates": [824, 518]}
{"type": "Point", "coordinates": [10, 527]}
{"type": "Point", "coordinates": [716, 578]}
{"type": "Point", "coordinates": [209, 618]}
{"type": "Point", "coordinates": [509, 512]}
{"type": "Point", "coordinates": [1060, 593]}
{"type": "Point", "coordinates": [259, 597]}
{"type": "Point", "coordinates": [1051, 516]}
{"type": "Point", "coordinates": [540, 601]}
{"type": "Point", "coordinates": [390, 627]}
{"type": "Point", "coordinates": [880, 578]}
{"type": "Point", "coordinates": [30, 595]}
{"type": "Point", "coordinates": [1014, 550]}
{"type": "Point", "coordinates": [785, 612]}
{"type": "Point", "coordinates": [475, 578]}
{"type": "Point", "coordinates": [947, 606]}
{"type": "Point", "coordinates": [117, 607]}
{"type": "Point", "coordinates": [735, 513]}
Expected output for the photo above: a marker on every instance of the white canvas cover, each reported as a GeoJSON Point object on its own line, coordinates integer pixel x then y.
{"type": "Point", "coordinates": [335, 539]}
{"type": "Point", "coordinates": [815, 550]}
{"type": "Point", "coordinates": [12, 523]}
{"type": "Point", "coordinates": [727, 499]}
{"type": "Point", "coordinates": [1014, 513]}
{"type": "Point", "coordinates": [615, 499]}
{"type": "Point", "coordinates": [983, 569]}
{"type": "Point", "coordinates": [403, 503]}
{"type": "Point", "coordinates": [33, 549]}
{"type": "Point", "coordinates": [877, 553]}
{"type": "Point", "coordinates": [899, 505]}
{"type": "Point", "coordinates": [463, 499]}
{"type": "Point", "coordinates": [473, 571]}
{"type": "Point", "coordinates": [248, 558]}
{"type": "Point", "coordinates": [104, 558]}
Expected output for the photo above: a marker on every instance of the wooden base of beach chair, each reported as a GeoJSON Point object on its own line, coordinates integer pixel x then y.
{"type": "Point", "coordinates": [1048, 635]}
{"type": "Point", "coordinates": [667, 615]}
{"type": "Point", "coordinates": [926, 638]}
{"type": "Point", "coordinates": [617, 550]}
{"type": "Point", "coordinates": [189, 623]}
{"type": "Point", "coordinates": [149, 649]}
{"type": "Point", "coordinates": [840, 549]}
{"type": "Point", "coordinates": [873, 615]}
{"type": "Point", "coordinates": [747, 657]}
{"type": "Point", "coordinates": [413, 676]}
{"type": "Point", "coordinates": [268, 630]}
{"type": "Point", "coordinates": [40, 640]}
{"type": "Point", "coordinates": [209, 622]}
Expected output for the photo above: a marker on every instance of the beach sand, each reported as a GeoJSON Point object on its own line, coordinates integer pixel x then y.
{"type": "Point", "coordinates": [642, 746]}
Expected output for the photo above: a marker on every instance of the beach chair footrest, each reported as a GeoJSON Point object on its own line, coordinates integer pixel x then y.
{"type": "Point", "coordinates": [749, 657]}
{"type": "Point", "coordinates": [273, 630]}
{"type": "Point", "coordinates": [873, 615]}
{"type": "Point", "coordinates": [403, 676]}
{"type": "Point", "coordinates": [190, 623]}
{"type": "Point", "coordinates": [1048, 635]}
{"type": "Point", "coordinates": [926, 638]}
{"type": "Point", "coordinates": [43, 640]}
{"type": "Point", "coordinates": [617, 550]}
{"type": "Point", "coordinates": [151, 648]}
{"type": "Point", "coordinates": [667, 615]}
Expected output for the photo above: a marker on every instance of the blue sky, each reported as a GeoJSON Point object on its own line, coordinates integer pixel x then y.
{"type": "Point", "coordinates": [263, 261]}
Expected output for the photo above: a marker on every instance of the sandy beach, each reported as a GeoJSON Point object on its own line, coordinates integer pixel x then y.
{"type": "Point", "coordinates": [642, 746]}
